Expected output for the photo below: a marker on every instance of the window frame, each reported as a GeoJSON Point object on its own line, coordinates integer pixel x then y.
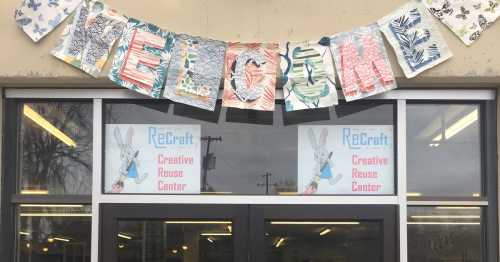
{"type": "Point", "coordinates": [367, 101]}
{"type": "Point", "coordinates": [488, 201]}
{"type": "Point", "coordinates": [11, 196]}
{"type": "Point", "coordinates": [400, 200]}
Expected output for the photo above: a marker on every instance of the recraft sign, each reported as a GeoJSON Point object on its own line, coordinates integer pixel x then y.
{"type": "Point", "coordinates": [346, 160]}
{"type": "Point", "coordinates": [152, 159]}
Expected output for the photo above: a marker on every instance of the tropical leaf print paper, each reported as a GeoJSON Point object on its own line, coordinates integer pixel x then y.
{"type": "Point", "coordinates": [195, 71]}
{"type": "Point", "coordinates": [37, 18]}
{"type": "Point", "coordinates": [250, 76]}
{"type": "Point", "coordinates": [466, 18]}
{"type": "Point", "coordinates": [88, 39]}
{"type": "Point", "coordinates": [416, 40]}
{"type": "Point", "coordinates": [362, 63]}
{"type": "Point", "coordinates": [142, 58]}
{"type": "Point", "coordinates": [308, 75]}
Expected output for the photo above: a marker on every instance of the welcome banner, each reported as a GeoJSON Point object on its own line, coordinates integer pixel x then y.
{"type": "Point", "coordinates": [149, 61]}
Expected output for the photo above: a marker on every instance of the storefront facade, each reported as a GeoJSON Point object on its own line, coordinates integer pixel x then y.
{"type": "Point", "coordinates": [413, 174]}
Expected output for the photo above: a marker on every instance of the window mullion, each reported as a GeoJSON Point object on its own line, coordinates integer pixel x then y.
{"type": "Point", "coordinates": [401, 176]}
{"type": "Point", "coordinates": [96, 178]}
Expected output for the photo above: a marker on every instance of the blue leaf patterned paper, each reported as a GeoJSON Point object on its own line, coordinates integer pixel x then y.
{"type": "Point", "coordinates": [37, 18]}
{"type": "Point", "coordinates": [416, 40]}
{"type": "Point", "coordinates": [308, 75]}
{"type": "Point", "coordinates": [468, 19]}
{"type": "Point", "coordinates": [195, 71]}
{"type": "Point", "coordinates": [88, 39]}
{"type": "Point", "coordinates": [142, 58]}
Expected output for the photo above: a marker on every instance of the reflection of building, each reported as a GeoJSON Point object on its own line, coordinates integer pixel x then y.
{"type": "Point", "coordinates": [441, 204]}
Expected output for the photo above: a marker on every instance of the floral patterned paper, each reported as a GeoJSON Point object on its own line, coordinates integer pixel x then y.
{"type": "Point", "coordinates": [142, 58]}
{"type": "Point", "coordinates": [418, 44]}
{"type": "Point", "coordinates": [250, 76]}
{"type": "Point", "coordinates": [466, 18]}
{"type": "Point", "coordinates": [37, 18]}
{"type": "Point", "coordinates": [308, 75]}
{"type": "Point", "coordinates": [362, 63]}
{"type": "Point", "coordinates": [88, 39]}
{"type": "Point", "coordinates": [195, 71]}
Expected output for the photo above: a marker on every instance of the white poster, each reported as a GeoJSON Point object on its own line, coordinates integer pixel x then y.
{"type": "Point", "coordinates": [152, 159]}
{"type": "Point", "coordinates": [346, 160]}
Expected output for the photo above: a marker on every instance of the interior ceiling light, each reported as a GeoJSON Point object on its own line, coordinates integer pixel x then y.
{"type": "Point", "coordinates": [198, 222]}
{"type": "Point", "coordinates": [447, 216]}
{"type": "Point", "coordinates": [457, 207]}
{"type": "Point", "coordinates": [215, 234]}
{"type": "Point", "coordinates": [280, 242]}
{"type": "Point", "coordinates": [34, 192]}
{"type": "Point", "coordinates": [42, 122]}
{"type": "Point", "coordinates": [314, 223]}
{"type": "Point", "coordinates": [61, 239]}
{"type": "Point", "coordinates": [121, 235]}
{"type": "Point", "coordinates": [458, 126]}
{"type": "Point", "coordinates": [43, 205]}
{"type": "Point", "coordinates": [325, 231]}
{"type": "Point", "coordinates": [445, 223]}
{"type": "Point", "coordinates": [55, 215]}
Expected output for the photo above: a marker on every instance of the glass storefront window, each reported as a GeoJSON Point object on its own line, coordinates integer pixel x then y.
{"type": "Point", "coordinates": [444, 233]}
{"type": "Point", "coordinates": [55, 148]}
{"type": "Point", "coordinates": [444, 150]}
{"type": "Point", "coordinates": [288, 241]}
{"type": "Point", "coordinates": [248, 152]}
{"type": "Point", "coordinates": [55, 233]}
{"type": "Point", "coordinates": [175, 240]}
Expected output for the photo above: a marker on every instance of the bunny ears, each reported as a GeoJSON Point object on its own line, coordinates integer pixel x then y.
{"type": "Point", "coordinates": [322, 137]}
{"type": "Point", "coordinates": [128, 136]}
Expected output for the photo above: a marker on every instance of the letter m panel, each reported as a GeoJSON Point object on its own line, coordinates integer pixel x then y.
{"type": "Point", "coordinates": [362, 73]}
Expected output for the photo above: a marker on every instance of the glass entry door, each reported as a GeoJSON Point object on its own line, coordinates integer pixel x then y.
{"type": "Point", "coordinates": [257, 233]}
{"type": "Point", "coordinates": [323, 233]}
{"type": "Point", "coordinates": [174, 233]}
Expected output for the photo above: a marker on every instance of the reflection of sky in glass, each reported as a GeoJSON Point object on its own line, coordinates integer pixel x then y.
{"type": "Point", "coordinates": [249, 150]}
{"type": "Point", "coordinates": [444, 167]}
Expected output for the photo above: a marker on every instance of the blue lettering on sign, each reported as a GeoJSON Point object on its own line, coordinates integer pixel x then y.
{"type": "Point", "coordinates": [161, 138]}
{"type": "Point", "coordinates": [355, 139]}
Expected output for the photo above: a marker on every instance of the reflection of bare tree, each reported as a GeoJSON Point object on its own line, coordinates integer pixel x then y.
{"type": "Point", "coordinates": [48, 163]}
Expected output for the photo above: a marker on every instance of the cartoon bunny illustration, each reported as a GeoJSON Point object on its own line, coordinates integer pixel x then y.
{"type": "Point", "coordinates": [129, 160]}
{"type": "Point", "coordinates": [323, 162]}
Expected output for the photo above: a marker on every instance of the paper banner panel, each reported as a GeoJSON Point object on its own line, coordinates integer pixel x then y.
{"type": "Point", "coordinates": [250, 76]}
{"type": "Point", "coordinates": [37, 18]}
{"type": "Point", "coordinates": [142, 58]}
{"type": "Point", "coordinates": [308, 75]}
{"type": "Point", "coordinates": [345, 160]}
{"type": "Point", "coordinates": [152, 159]}
{"type": "Point", "coordinates": [417, 42]}
{"type": "Point", "coordinates": [87, 41]}
{"type": "Point", "coordinates": [195, 71]}
{"type": "Point", "coordinates": [362, 63]}
{"type": "Point", "coordinates": [466, 18]}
